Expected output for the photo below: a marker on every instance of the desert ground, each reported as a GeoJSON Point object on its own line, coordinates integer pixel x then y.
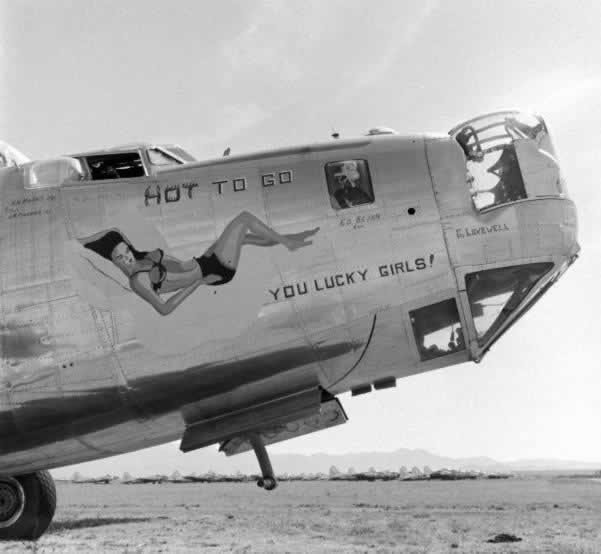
{"type": "Point", "coordinates": [549, 514]}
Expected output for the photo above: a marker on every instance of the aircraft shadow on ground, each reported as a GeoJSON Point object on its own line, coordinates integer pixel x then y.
{"type": "Point", "coordinates": [88, 522]}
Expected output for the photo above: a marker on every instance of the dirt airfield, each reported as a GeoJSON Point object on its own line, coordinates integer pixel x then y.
{"type": "Point", "coordinates": [549, 514]}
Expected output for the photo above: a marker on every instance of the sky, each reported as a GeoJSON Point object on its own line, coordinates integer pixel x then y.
{"type": "Point", "coordinates": [259, 74]}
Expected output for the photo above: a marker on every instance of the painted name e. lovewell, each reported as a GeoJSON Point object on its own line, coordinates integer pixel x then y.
{"type": "Point", "coordinates": [466, 232]}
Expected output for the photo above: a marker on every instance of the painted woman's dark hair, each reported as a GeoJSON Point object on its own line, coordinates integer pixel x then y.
{"type": "Point", "coordinates": [105, 245]}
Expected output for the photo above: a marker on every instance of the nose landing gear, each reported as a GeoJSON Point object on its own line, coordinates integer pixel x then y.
{"type": "Point", "coordinates": [268, 480]}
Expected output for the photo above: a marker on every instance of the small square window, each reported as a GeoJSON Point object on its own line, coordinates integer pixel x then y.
{"type": "Point", "coordinates": [437, 329]}
{"type": "Point", "coordinates": [349, 184]}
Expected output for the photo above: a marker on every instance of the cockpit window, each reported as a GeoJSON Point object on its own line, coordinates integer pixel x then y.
{"type": "Point", "coordinates": [122, 165]}
{"type": "Point", "coordinates": [509, 157]}
{"type": "Point", "coordinates": [437, 329]}
{"type": "Point", "coordinates": [157, 156]}
{"type": "Point", "coordinates": [494, 294]}
{"type": "Point", "coordinates": [349, 183]}
{"type": "Point", "coordinates": [181, 154]}
{"type": "Point", "coordinates": [53, 173]}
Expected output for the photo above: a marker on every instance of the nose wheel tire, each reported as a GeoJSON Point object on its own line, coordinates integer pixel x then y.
{"type": "Point", "coordinates": [268, 483]}
{"type": "Point", "coordinates": [27, 505]}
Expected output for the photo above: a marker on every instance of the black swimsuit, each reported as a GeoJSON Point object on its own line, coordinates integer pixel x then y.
{"type": "Point", "coordinates": [161, 271]}
{"type": "Point", "coordinates": [212, 265]}
{"type": "Point", "coordinates": [209, 265]}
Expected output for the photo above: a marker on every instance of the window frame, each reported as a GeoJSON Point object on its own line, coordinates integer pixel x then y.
{"type": "Point", "coordinates": [499, 322]}
{"type": "Point", "coordinates": [423, 352]}
{"type": "Point", "coordinates": [164, 152]}
{"type": "Point", "coordinates": [452, 357]}
{"type": "Point", "coordinates": [329, 186]}
{"type": "Point", "coordinates": [477, 350]}
{"type": "Point", "coordinates": [84, 159]}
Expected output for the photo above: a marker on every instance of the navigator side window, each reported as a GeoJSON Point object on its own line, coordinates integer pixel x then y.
{"type": "Point", "coordinates": [349, 183]}
{"type": "Point", "coordinates": [123, 165]}
{"type": "Point", "coordinates": [437, 329]}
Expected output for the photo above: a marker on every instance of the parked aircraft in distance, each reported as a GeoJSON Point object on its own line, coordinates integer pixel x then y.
{"type": "Point", "coordinates": [176, 477]}
{"type": "Point", "coordinates": [151, 479]}
{"type": "Point", "coordinates": [147, 296]}
{"type": "Point", "coordinates": [107, 479]}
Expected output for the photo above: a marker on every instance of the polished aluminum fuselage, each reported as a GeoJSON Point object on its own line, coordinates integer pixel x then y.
{"type": "Point", "coordinates": [83, 379]}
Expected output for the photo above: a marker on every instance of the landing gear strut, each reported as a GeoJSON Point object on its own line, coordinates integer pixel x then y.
{"type": "Point", "coordinates": [268, 480]}
{"type": "Point", "coordinates": [27, 504]}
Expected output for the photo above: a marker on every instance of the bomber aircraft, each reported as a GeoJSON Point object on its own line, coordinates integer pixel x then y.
{"type": "Point", "coordinates": [150, 480]}
{"type": "Point", "coordinates": [106, 480]}
{"type": "Point", "coordinates": [149, 297]}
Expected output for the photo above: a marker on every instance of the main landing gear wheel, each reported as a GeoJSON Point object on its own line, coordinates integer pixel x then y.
{"type": "Point", "coordinates": [27, 505]}
{"type": "Point", "coordinates": [268, 481]}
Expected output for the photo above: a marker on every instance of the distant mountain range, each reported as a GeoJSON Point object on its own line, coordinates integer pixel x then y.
{"type": "Point", "coordinates": [167, 458]}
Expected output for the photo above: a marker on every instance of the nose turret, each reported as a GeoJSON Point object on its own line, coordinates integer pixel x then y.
{"type": "Point", "coordinates": [509, 156]}
{"type": "Point", "coordinates": [510, 227]}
